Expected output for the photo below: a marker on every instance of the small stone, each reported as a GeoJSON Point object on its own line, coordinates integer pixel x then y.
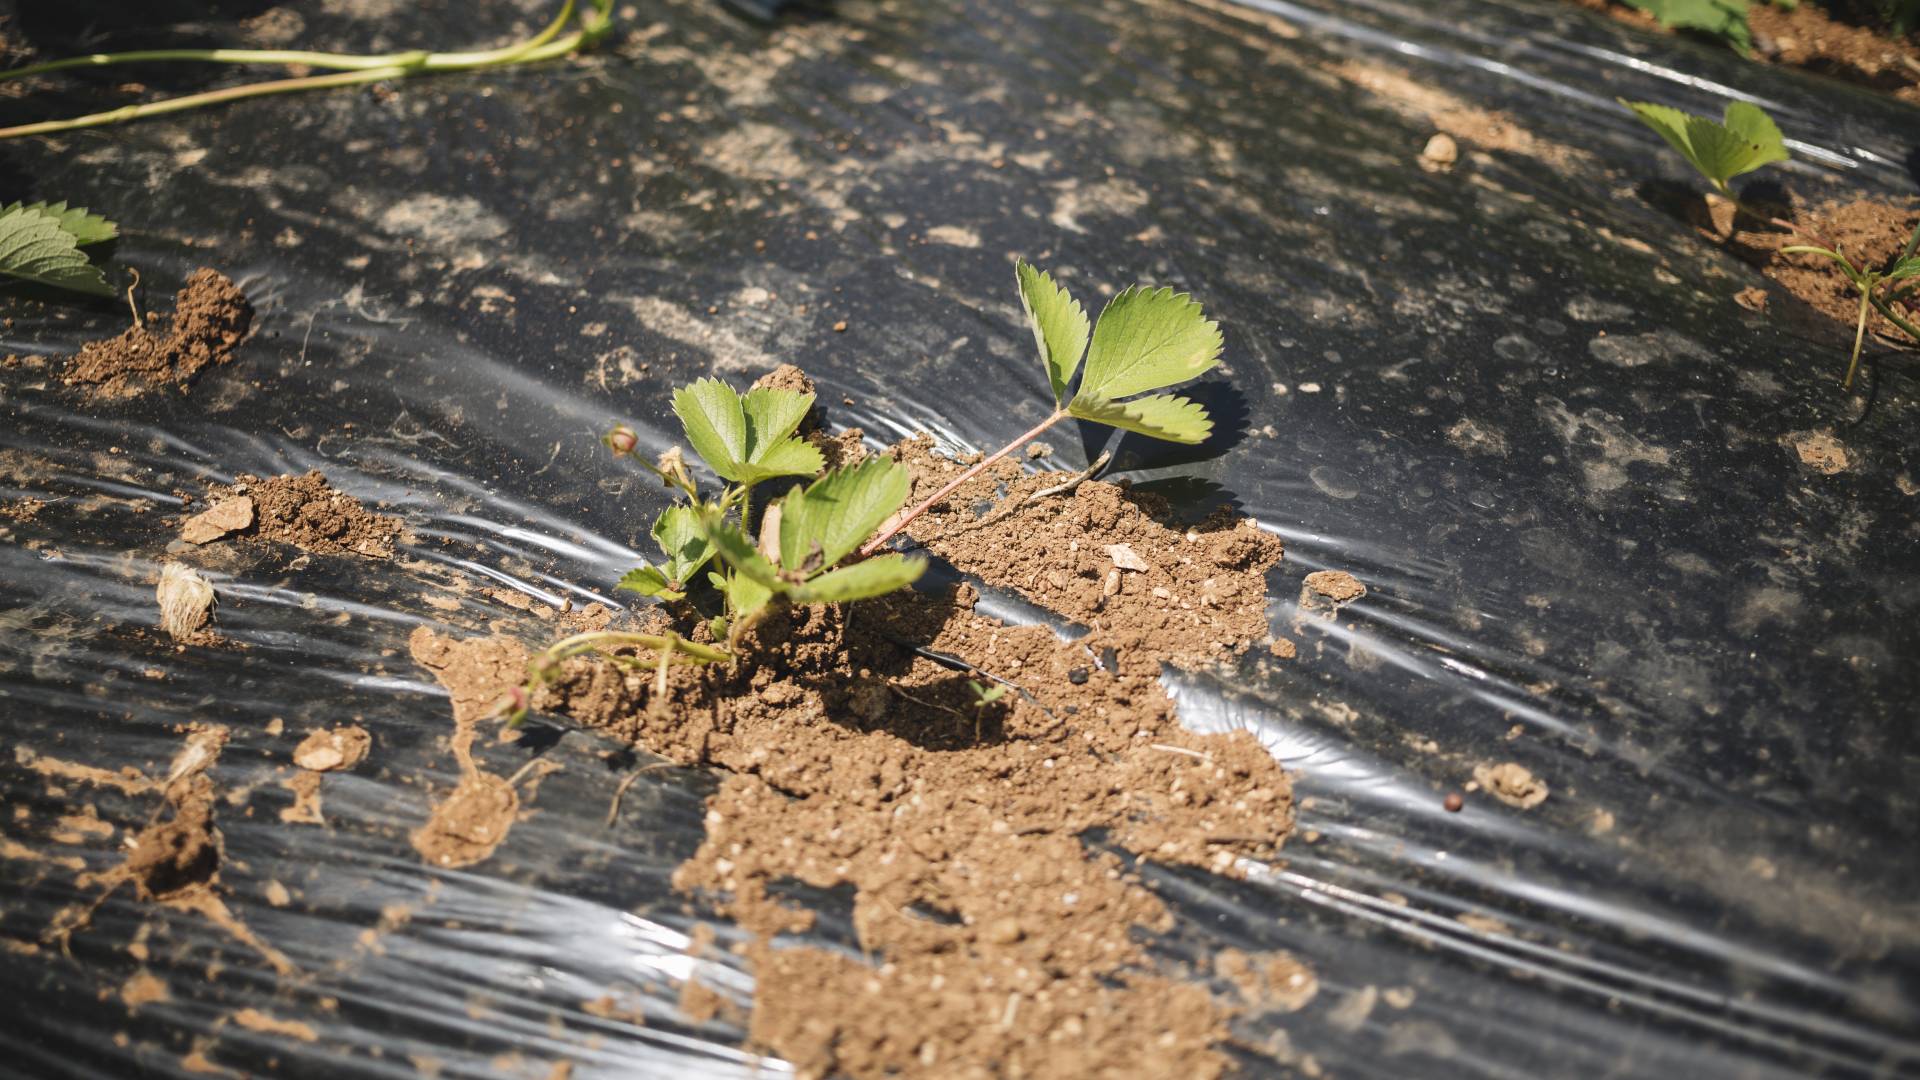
{"type": "Point", "coordinates": [1002, 932]}
{"type": "Point", "coordinates": [1440, 153]}
{"type": "Point", "coordinates": [1124, 558]}
{"type": "Point", "coordinates": [1454, 802]}
{"type": "Point", "coordinates": [1111, 587]}
{"type": "Point", "coordinates": [224, 517]}
{"type": "Point", "coordinates": [1078, 676]}
{"type": "Point", "coordinates": [840, 327]}
{"type": "Point", "coordinates": [339, 748]}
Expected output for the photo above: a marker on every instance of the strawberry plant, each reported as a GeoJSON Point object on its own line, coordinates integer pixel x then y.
{"type": "Point", "coordinates": [346, 69]}
{"type": "Point", "coordinates": [1746, 139]}
{"type": "Point", "coordinates": [804, 537]}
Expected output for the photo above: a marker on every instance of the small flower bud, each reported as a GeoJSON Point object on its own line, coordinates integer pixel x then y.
{"type": "Point", "coordinates": [513, 705]}
{"type": "Point", "coordinates": [622, 440]}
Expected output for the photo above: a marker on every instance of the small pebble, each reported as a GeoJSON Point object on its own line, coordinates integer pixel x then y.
{"type": "Point", "coordinates": [1078, 676]}
{"type": "Point", "coordinates": [1454, 802]}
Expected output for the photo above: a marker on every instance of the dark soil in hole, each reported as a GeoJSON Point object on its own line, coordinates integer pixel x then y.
{"type": "Point", "coordinates": [210, 317]}
{"type": "Point", "coordinates": [851, 760]}
{"type": "Point", "coordinates": [1814, 38]}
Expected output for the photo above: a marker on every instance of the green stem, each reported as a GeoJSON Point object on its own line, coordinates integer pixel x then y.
{"type": "Point", "coordinates": [1859, 338]}
{"type": "Point", "coordinates": [358, 70]}
{"type": "Point", "coordinates": [896, 524]}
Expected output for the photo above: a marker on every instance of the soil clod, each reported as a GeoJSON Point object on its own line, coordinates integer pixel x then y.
{"type": "Point", "coordinates": [211, 316]}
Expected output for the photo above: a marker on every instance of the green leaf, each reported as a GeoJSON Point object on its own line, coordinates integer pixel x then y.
{"type": "Point", "coordinates": [739, 553]}
{"type": "Point", "coordinates": [746, 440]}
{"type": "Point", "coordinates": [684, 543]}
{"type": "Point", "coordinates": [1162, 416]}
{"type": "Point", "coordinates": [86, 228]}
{"type": "Point", "coordinates": [744, 595]}
{"type": "Point", "coordinates": [1059, 325]}
{"type": "Point", "coordinates": [1724, 19]}
{"type": "Point", "coordinates": [874, 577]}
{"type": "Point", "coordinates": [35, 247]}
{"type": "Point", "coordinates": [1746, 141]}
{"type": "Point", "coordinates": [1905, 268]}
{"type": "Point", "coordinates": [1147, 339]}
{"type": "Point", "coordinates": [837, 512]}
{"type": "Point", "coordinates": [648, 580]}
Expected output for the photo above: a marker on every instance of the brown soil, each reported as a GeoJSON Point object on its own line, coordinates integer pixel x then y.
{"type": "Point", "coordinates": [1201, 597]}
{"type": "Point", "coordinates": [211, 316]}
{"type": "Point", "coordinates": [1002, 930]}
{"type": "Point", "coordinates": [1511, 784]}
{"type": "Point", "coordinates": [1868, 232]}
{"type": "Point", "coordinates": [1811, 38]}
{"type": "Point", "coordinates": [299, 510]}
{"type": "Point", "coordinates": [466, 826]}
{"type": "Point", "coordinates": [22, 510]}
{"type": "Point", "coordinates": [337, 748]}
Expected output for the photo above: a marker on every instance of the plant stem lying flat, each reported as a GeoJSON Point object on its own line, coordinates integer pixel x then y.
{"type": "Point", "coordinates": [887, 531]}
{"type": "Point", "coordinates": [352, 70]}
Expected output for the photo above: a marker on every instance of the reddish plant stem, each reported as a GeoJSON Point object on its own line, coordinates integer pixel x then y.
{"type": "Point", "coordinates": [893, 526]}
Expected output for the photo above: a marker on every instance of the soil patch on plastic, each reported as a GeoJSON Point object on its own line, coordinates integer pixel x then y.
{"type": "Point", "coordinates": [1810, 37]}
{"type": "Point", "coordinates": [304, 511]}
{"type": "Point", "coordinates": [990, 851]}
{"type": "Point", "coordinates": [467, 824]}
{"type": "Point", "coordinates": [1102, 556]}
{"type": "Point", "coordinates": [210, 317]}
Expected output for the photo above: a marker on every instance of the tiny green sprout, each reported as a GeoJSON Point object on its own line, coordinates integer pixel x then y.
{"type": "Point", "coordinates": [1146, 339]}
{"type": "Point", "coordinates": [983, 699]}
{"type": "Point", "coordinates": [1748, 139]}
{"type": "Point", "coordinates": [41, 242]}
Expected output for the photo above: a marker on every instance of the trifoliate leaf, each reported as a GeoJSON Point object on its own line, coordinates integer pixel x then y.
{"type": "Point", "coordinates": [746, 440]}
{"type": "Point", "coordinates": [1724, 19]}
{"type": "Point", "coordinates": [1059, 325]}
{"type": "Point", "coordinates": [1746, 141]}
{"type": "Point", "coordinates": [34, 247]}
{"type": "Point", "coordinates": [684, 543]}
{"type": "Point", "coordinates": [85, 226]}
{"type": "Point", "coordinates": [1147, 339]}
{"type": "Point", "coordinates": [649, 580]}
{"type": "Point", "coordinates": [1162, 416]}
{"type": "Point", "coordinates": [874, 577]}
{"type": "Point", "coordinates": [823, 522]}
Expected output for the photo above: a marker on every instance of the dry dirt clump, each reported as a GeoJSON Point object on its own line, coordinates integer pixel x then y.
{"type": "Point", "coordinates": [1512, 784]}
{"type": "Point", "coordinates": [471, 821]}
{"type": "Point", "coordinates": [211, 316]}
{"type": "Point", "coordinates": [1202, 596]}
{"type": "Point", "coordinates": [300, 510]}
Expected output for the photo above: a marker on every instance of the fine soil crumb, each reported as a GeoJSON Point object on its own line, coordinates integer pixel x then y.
{"type": "Point", "coordinates": [309, 514]}
{"type": "Point", "coordinates": [306, 800]}
{"type": "Point", "coordinates": [1440, 153]}
{"type": "Point", "coordinates": [211, 316]}
{"type": "Point", "coordinates": [144, 988]}
{"type": "Point", "coordinates": [1196, 595]}
{"type": "Point", "coordinates": [186, 605]}
{"type": "Point", "coordinates": [470, 823]}
{"type": "Point", "coordinates": [339, 748]}
{"type": "Point", "coordinates": [1869, 231]}
{"type": "Point", "coordinates": [1336, 585]}
{"type": "Point", "coordinates": [22, 510]}
{"type": "Point", "coordinates": [1275, 982]}
{"type": "Point", "coordinates": [1512, 784]}
{"type": "Point", "coordinates": [1753, 298]}
{"type": "Point", "coordinates": [224, 517]}
{"type": "Point", "coordinates": [267, 1024]}
{"type": "Point", "coordinates": [1820, 450]}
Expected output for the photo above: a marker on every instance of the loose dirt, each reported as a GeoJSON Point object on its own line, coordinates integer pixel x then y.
{"type": "Point", "coordinates": [466, 826]}
{"type": "Point", "coordinates": [1868, 232]}
{"type": "Point", "coordinates": [991, 851]}
{"type": "Point", "coordinates": [1201, 595]}
{"type": "Point", "coordinates": [210, 317]}
{"type": "Point", "coordinates": [1812, 38]}
{"type": "Point", "coordinates": [332, 749]}
{"type": "Point", "coordinates": [1511, 784]}
{"type": "Point", "coordinates": [300, 510]}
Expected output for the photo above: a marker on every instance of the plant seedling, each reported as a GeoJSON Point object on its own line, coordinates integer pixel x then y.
{"type": "Point", "coordinates": [1748, 139]}
{"type": "Point", "coordinates": [41, 243]}
{"type": "Point", "coordinates": [1146, 339]}
{"type": "Point", "coordinates": [983, 699]}
{"type": "Point", "coordinates": [348, 69]}
{"type": "Point", "coordinates": [746, 439]}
